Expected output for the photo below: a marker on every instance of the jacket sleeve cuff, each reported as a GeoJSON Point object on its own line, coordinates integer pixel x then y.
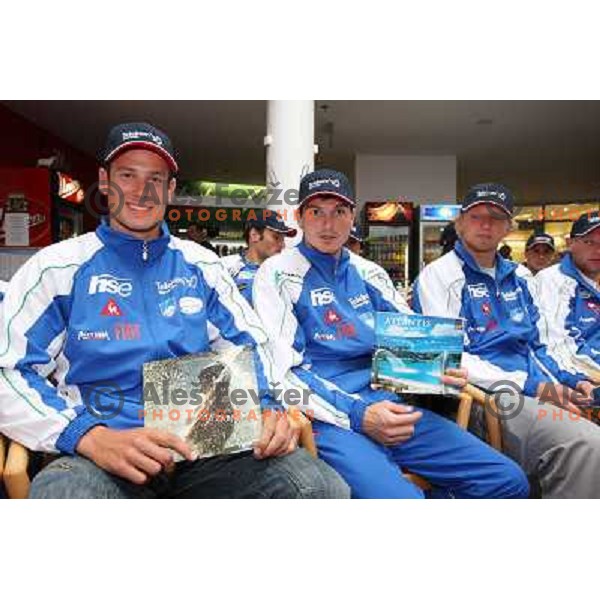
{"type": "Point", "coordinates": [357, 415]}
{"type": "Point", "coordinates": [531, 386]}
{"type": "Point", "coordinates": [269, 403]}
{"type": "Point", "coordinates": [74, 431]}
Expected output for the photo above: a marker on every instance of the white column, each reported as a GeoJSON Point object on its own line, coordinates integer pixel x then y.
{"type": "Point", "coordinates": [290, 153]}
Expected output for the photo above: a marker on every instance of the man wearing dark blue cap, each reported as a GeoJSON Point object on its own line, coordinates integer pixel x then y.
{"type": "Point", "coordinates": [317, 302]}
{"type": "Point", "coordinates": [570, 300]}
{"type": "Point", "coordinates": [507, 349]}
{"type": "Point", "coordinates": [82, 317]}
{"type": "Point", "coordinates": [355, 240]}
{"type": "Point", "coordinates": [539, 252]}
{"type": "Point", "coordinates": [264, 235]}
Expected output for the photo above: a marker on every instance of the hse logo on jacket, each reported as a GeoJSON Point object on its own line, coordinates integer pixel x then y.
{"type": "Point", "coordinates": [90, 311]}
{"type": "Point", "coordinates": [319, 314]}
{"type": "Point", "coordinates": [571, 305]}
{"type": "Point", "coordinates": [505, 335]}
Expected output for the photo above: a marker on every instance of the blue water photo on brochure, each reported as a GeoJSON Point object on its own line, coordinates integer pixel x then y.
{"type": "Point", "coordinates": [413, 351]}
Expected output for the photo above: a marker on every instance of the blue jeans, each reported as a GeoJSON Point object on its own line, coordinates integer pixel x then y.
{"type": "Point", "coordinates": [296, 475]}
{"type": "Point", "coordinates": [454, 462]}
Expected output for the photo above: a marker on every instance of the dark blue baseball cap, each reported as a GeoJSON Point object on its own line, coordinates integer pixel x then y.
{"type": "Point", "coordinates": [326, 182]}
{"type": "Point", "coordinates": [494, 194]}
{"type": "Point", "coordinates": [269, 219]}
{"type": "Point", "coordinates": [356, 234]}
{"type": "Point", "coordinates": [138, 136]}
{"type": "Point", "coordinates": [540, 239]}
{"type": "Point", "coordinates": [586, 223]}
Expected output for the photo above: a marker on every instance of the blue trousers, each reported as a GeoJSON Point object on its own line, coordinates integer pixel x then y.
{"type": "Point", "coordinates": [453, 461]}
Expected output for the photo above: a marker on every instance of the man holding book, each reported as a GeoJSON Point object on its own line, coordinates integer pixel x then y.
{"type": "Point", "coordinates": [507, 352]}
{"type": "Point", "coordinates": [80, 319]}
{"type": "Point", "coordinates": [317, 302]}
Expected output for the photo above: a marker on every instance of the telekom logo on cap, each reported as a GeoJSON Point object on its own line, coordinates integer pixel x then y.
{"type": "Point", "coordinates": [136, 135]}
{"type": "Point", "coordinates": [485, 193]}
{"type": "Point", "coordinates": [320, 182]}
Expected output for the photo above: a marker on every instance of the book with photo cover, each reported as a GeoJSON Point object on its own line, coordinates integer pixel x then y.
{"type": "Point", "coordinates": [413, 351]}
{"type": "Point", "coordinates": [211, 400]}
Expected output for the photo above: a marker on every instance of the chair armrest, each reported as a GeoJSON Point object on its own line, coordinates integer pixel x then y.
{"type": "Point", "coordinates": [490, 409]}
{"type": "Point", "coordinates": [16, 478]}
{"type": "Point", "coordinates": [2, 454]}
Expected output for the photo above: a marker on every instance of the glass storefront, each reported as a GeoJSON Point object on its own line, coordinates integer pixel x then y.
{"type": "Point", "coordinates": [555, 219]}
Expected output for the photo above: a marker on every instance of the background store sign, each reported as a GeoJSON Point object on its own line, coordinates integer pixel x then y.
{"type": "Point", "coordinates": [69, 189]}
{"type": "Point", "coordinates": [439, 212]}
{"type": "Point", "coordinates": [24, 221]}
{"type": "Point", "coordinates": [243, 193]}
{"type": "Point", "coordinates": [391, 212]}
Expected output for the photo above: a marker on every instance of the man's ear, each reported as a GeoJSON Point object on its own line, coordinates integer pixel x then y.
{"type": "Point", "coordinates": [301, 219]}
{"type": "Point", "coordinates": [172, 187]}
{"type": "Point", "coordinates": [458, 223]}
{"type": "Point", "coordinates": [103, 185]}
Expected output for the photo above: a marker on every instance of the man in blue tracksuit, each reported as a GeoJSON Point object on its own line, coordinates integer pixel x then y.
{"type": "Point", "coordinates": [540, 252]}
{"type": "Point", "coordinates": [81, 318]}
{"type": "Point", "coordinates": [506, 348]}
{"type": "Point", "coordinates": [265, 235]}
{"type": "Point", "coordinates": [317, 302]}
{"type": "Point", "coordinates": [570, 300]}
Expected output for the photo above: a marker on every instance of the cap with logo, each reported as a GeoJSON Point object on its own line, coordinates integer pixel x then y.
{"type": "Point", "coordinates": [585, 224]}
{"type": "Point", "coordinates": [326, 182]}
{"type": "Point", "coordinates": [540, 239]}
{"type": "Point", "coordinates": [269, 219]}
{"type": "Point", "coordinates": [495, 194]}
{"type": "Point", "coordinates": [138, 136]}
{"type": "Point", "coordinates": [356, 234]}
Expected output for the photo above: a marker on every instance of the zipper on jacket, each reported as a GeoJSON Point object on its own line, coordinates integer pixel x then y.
{"type": "Point", "coordinates": [145, 251]}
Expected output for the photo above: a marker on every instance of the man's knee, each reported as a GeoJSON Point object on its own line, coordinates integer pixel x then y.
{"type": "Point", "coordinates": [306, 477]}
{"type": "Point", "coordinates": [75, 478]}
{"type": "Point", "coordinates": [513, 482]}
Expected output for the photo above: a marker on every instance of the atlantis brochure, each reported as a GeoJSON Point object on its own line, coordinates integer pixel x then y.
{"type": "Point", "coordinates": [210, 400]}
{"type": "Point", "coordinates": [412, 352]}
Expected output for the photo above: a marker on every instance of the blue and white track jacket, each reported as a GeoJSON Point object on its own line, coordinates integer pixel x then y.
{"type": "Point", "coordinates": [319, 314]}
{"type": "Point", "coordinates": [243, 272]}
{"type": "Point", "coordinates": [571, 305]}
{"type": "Point", "coordinates": [90, 311]}
{"type": "Point", "coordinates": [505, 336]}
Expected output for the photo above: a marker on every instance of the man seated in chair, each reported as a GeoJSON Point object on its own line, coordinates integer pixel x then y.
{"type": "Point", "coordinates": [570, 300]}
{"type": "Point", "coordinates": [90, 311]}
{"type": "Point", "coordinates": [317, 302]}
{"type": "Point", "coordinates": [265, 235]}
{"type": "Point", "coordinates": [506, 349]}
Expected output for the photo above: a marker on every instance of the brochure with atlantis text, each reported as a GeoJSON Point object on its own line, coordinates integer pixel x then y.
{"type": "Point", "coordinates": [413, 351]}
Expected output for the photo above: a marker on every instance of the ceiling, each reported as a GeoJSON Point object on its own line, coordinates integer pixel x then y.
{"type": "Point", "coordinates": [548, 149]}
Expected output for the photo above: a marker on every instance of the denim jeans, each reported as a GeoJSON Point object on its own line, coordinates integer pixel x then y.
{"type": "Point", "coordinates": [296, 475]}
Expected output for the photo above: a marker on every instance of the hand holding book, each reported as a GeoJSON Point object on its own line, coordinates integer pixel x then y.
{"type": "Point", "coordinates": [456, 378]}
